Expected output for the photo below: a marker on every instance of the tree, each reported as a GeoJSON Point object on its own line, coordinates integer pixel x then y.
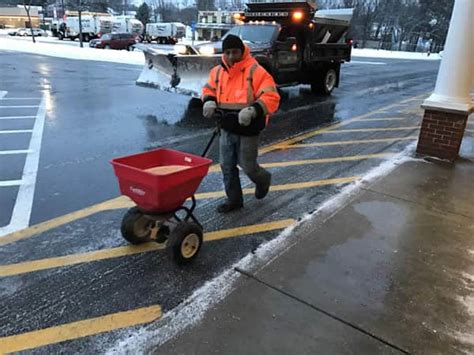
{"type": "Point", "coordinates": [188, 15]}
{"type": "Point", "coordinates": [440, 11]}
{"type": "Point", "coordinates": [365, 14]}
{"type": "Point", "coordinates": [205, 5]}
{"type": "Point", "coordinates": [27, 6]}
{"type": "Point", "coordinates": [143, 13]}
{"type": "Point", "coordinates": [99, 5]}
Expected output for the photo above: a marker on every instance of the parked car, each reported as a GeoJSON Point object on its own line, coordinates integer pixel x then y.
{"type": "Point", "coordinates": [27, 32]}
{"type": "Point", "coordinates": [115, 41]}
{"type": "Point", "coordinates": [13, 32]}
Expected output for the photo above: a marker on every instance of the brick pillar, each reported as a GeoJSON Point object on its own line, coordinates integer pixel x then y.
{"type": "Point", "coordinates": [441, 133]}
{"type": "Point", "coordinates": [447, 109]}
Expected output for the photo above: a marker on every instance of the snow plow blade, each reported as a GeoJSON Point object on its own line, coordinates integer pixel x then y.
{"type": "Point", "coordinates": [184, 74]}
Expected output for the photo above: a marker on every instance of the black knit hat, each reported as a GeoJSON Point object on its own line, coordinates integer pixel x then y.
{"type": "Point", "coordinates": [231, 42]}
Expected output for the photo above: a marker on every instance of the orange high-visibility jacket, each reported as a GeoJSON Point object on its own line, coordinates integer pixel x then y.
{"type": "Point", "coordinates": [244, 84]}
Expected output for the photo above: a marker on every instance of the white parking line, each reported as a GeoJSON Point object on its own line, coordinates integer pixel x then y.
{"type": "Point", "coordinates": [9, 152]}
{"type": "Point", "coordinates": [2, 94]}
{"type": "Point", "coordinates": [370, 63]}
{"type": "Point", "coordinates": [15, 117]}
{"type": "Point", "coordinates": [10, 183]}
{"type": "Point", "coordinates": [16, 131]}
{"type": "Point", "coordinates": [21, 98]}
{"type": "Point", "coordinates": [24, 202]}
{"type": "Point", "coordinates": [24, 106]}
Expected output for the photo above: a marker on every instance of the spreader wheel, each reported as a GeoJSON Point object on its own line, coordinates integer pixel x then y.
{"type": "Point", "coordinates": [186, 242]}
{"type": "Point", "coordinates": [136, 227]}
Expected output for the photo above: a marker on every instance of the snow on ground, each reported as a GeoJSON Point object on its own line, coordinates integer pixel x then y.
{"type": "Point", "coordinates": [380, 53]}
{"type": "Point", "coordinates": [72, 52]}
{"type": "Point", "coordinates": [190, 42]}
{"type": "Point", "coordinates": [51, 46]}
{"type": "Point", "coordinates": [48, 39]}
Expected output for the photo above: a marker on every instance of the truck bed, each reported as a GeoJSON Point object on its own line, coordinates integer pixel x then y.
{"type": "Point", "coordinates": [328, 52]}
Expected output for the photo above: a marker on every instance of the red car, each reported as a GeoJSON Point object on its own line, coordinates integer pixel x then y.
{"type": "Point", "coordinates": [115, 41]}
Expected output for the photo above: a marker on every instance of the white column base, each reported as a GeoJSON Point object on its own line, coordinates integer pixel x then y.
{"type": "Point", "coordinates": [447, 103]}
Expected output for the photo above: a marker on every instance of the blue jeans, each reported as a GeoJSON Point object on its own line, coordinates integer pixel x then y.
{"type": "Point", "coordinates": [242, 151]}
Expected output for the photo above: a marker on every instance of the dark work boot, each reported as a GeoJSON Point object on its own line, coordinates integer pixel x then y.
{"type": "Point", "coordinates": [262, 190]}
{"type": "Point", "coordinates": [229, 206]}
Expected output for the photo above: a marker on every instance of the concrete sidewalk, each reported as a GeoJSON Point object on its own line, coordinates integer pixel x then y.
{"type": "Point", "coordinates": [391, 272]}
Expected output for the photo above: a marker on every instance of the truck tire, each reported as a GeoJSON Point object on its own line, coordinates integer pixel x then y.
{"type": "Point", "coordinates": [60, 36]}
{"type": "Point", "coordinates": [325, 83]}
{"type": "Point", "coordinates": [86, 38]}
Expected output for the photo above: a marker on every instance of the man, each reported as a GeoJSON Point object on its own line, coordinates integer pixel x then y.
{"type": "Point", "coordinates": [246, 94]}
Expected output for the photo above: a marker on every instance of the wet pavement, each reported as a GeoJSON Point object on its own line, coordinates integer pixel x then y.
{"type": "Point", "coordinates": [391, 272]}
{"type": "Point", "coordinates": [94, 113]}
{"type": "Point", "coordinates": [73, 264]}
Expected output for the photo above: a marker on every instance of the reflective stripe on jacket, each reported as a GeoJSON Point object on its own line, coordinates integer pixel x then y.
{"type": "Point", "coordinates": [244, 84]}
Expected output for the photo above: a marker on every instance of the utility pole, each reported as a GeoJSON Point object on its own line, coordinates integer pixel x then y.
{"type": "Point", "coordinates": [79, 10]}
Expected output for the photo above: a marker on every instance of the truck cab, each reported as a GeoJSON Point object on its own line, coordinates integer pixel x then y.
{"type": "Point", "coordinates": [292, 44]}
{"type": "Point", "coordinates": [287, 38]}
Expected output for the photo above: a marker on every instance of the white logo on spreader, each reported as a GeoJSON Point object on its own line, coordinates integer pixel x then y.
{"type": "Point", "coordinates": [137, 191]}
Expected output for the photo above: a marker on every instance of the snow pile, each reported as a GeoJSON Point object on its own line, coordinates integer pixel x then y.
{"type": "Point", "coordinates": [380, 53]}
{"type": "Point", "coordinates": [71, 52]}
{"type": "Point", "coordinates": [188, 86]}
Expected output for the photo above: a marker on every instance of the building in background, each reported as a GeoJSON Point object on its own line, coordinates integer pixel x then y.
{"type": "Point", "coordinates": [212, 25]}
{"type": "Point", "coordinates": [16, 17]}
{"type": "Point", "coordinates": [57, 9]}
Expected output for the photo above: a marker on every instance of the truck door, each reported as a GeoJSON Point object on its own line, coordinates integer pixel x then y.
{"type": "Point", "coordinates": [288, 58]}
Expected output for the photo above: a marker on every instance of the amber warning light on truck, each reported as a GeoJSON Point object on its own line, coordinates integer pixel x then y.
{"type": "Point", "coordinates": [297, 16]}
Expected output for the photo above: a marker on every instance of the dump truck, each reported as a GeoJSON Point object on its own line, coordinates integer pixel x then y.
{"type": "Point", "coordinates": [127, 24]}
{"type": "Point", "coordinates": [293, 41]}
{"type": "Point", "coordinates": [165, 32]}
{"type": "Point", "coordinates": [93, 26]}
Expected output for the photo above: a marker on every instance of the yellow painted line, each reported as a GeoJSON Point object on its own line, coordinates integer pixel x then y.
{"type": "Point", "coordinates": [73, 259]}
{"type": "Point", "coordinates": [62, 220]}
{"type": "Point", "coordinates": [361, 141]}
{"type": "Point", "coordinates": [350, 130]}
{"type": "Point", "coordinates": [283, 164]}
{"type": "Point", "coordinates": [124, 202]}
{"type": "Point", "coordinates": [253, 229]}
{"type": "Point", "coordinates": [116, 203]}
{"type": "Point", "coordinates": [383, 119]}
{"type": "Point", "coordinates": [68, 260]}
{"type": "Point", "coordinates": [79, 329]}
{"type": "Point", "coordinates": [327, 160]}
{"type": "Point", "coordinates": [416, 98]}
{"type": "Point", "coordinates": [309, 184]}
{"type": "Point", "coordinates": [286, 187]}
{"type": "Point", "coordinates": [303, 137]}
{"type": "Point", "coordinates": [316, 132]}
